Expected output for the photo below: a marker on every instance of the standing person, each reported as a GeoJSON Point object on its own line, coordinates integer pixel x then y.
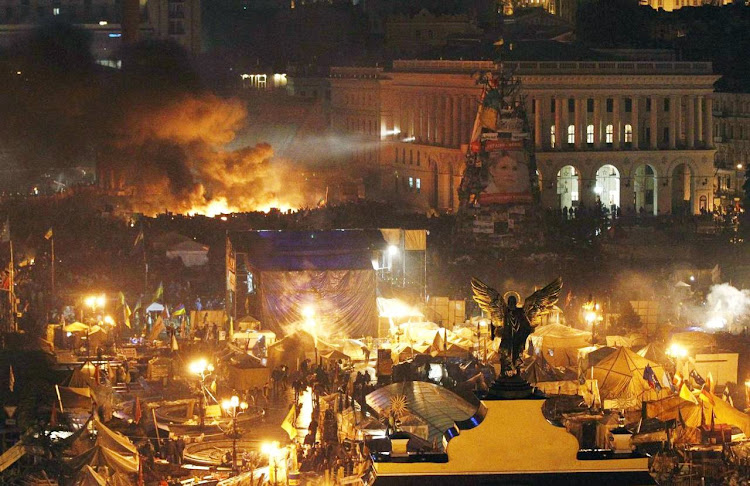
{"type": "Point", "coordinates": [180, 448]}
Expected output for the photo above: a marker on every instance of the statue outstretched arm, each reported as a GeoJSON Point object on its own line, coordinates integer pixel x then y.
{"type": "Point", "coordinates": [542, 300]}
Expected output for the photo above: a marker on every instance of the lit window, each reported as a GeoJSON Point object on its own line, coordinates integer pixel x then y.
{"type": "Point", "coordinates": [552, 141]}
{"type": "Point", "coordinates": [628, 133]}
{"type": "Point", "coordinates": [411, 182]}
{"type": "Point", "coordinates": [590, 134]}
{"type": "Point", "coordinates": [571, 134]}
{"type": "Point", "coordinates": [56, 11]}
{"type": "Point", "coordinates": [419, 184]}
{"type": "Point", "coordinates": [610, 134]}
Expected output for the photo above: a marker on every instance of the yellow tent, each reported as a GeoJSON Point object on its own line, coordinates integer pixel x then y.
{"type": "Point", "coordinates": [620, 377]}
{"type": "Point", "coordinates": [667, 409]}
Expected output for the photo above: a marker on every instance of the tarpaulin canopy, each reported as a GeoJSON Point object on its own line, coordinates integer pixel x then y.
{"type": "Point", "coordinates": [155, 307]}
{"type": "Point", "coordinates": [344, 300]}
{"type": "Point", "coordinates": [655, 353]}
{"type": "Point", "coordinates": [76, 327]}
{"type": "Point", "coordinates": [559, 336]}
{"type": "Point", "coordinates": [89, 477]}
{"type": "Point", "coordinates": [539, 370]}
{"type": "Point", "coordinates": [75, 398]}
{"type": "Point", "coordinates": [438, 407]}
{"type": "Point", "coordinates": [620, 377]}
{"type": "Point", "coordinates": [592, 355]}
{"type": "Point", "coordinates": [102, 456]}
{"type": "Point", "coordinates": [296, 346]}
{"type": "Point", "coordinates": [672, 407]}
{"type": "Point", "coordinates": [113, 440]}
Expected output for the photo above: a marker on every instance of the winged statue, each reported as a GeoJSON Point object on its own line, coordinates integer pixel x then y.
{"type": "Point", "coordinates": [511, 323]}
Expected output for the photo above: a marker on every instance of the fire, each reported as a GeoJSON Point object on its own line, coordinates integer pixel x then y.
{"type": "Point", "coordinates": [220, 205]}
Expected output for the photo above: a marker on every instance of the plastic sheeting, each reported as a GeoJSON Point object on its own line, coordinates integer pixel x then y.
{"type": "Point", "coordinates": [344, 301]}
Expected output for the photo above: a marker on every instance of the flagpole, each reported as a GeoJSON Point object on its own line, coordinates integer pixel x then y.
{"type": "Point", "coordinates": [12, 293]}
{"type": "Point", "coordinates": [52, 264]}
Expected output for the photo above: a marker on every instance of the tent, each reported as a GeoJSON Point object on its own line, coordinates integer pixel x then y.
{"type": "Point", "coordinates": [294, 347]}
{"type": "Point", "coordinates": [538, 370]}
{"type": "Point", "coordinates": [674, 407]}
{"type": "Point", "coordinates": [559, 344]}
{"type": "Point", "coordinates": [333, 355]}
{"type": "Point", "coordinates": [89, 477]}
{"type": "Point", "coordinates": [192, 253]}
{"type": "Point", "coordinates": [591, 355]}
{"type": "Point", "coordinates": [111, 449]}
{"type": "Point", "coordinates": [620, 378]}
{"type": "Point", "coordinates": [155, 307]}
{"type": "Point", "coordinates": [654, 352]}
{"type": "Point", "coordinates": [76, 327]}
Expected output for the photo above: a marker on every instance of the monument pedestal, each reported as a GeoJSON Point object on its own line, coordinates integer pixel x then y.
{"type": "Point", "coordinates": [512, 388]}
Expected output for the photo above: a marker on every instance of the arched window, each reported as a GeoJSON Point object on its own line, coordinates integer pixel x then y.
{"type": "Point", "coordinates": [610, 134]}
{"type": "Point", "coordinates": [590, 134]}
{"type": "Point", "coordinates": [571, 134]}
{"type": "Point", "coordinates": [628, 133]}
{"type": "Point", "coordinates": [552, 140]}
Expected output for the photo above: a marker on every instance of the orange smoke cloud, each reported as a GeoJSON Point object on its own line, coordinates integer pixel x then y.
{"type": "Point", "coordinates": [173, 157]}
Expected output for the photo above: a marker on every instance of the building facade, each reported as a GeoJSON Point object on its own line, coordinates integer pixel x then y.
{"type": "Point", "coordinates": [670, 5]}
{"type": "Point", "coordinates": [177, 20]}
{"type": "Point", "coordinates": [636, 135]}
{"type": "Point", "coordinates": [732, 138]}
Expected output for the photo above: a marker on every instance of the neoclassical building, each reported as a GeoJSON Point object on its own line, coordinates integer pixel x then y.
{"type": "Point", "coordinates": [637, 135]}
{"type": "Point", "coordinates": [732, 137]}
{"type": "Point", "coordinates": [670, 5]}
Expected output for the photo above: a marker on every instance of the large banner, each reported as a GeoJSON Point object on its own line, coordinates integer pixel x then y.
{"type": "Point", "coordinates": [507, 173]}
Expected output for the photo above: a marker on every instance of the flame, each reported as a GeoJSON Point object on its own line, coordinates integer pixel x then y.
{"type": "Point", "coordinates": [220, 205]}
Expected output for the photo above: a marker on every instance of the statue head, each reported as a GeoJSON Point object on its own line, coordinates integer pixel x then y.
{"type": "Point", "coordinates": [512, 302]}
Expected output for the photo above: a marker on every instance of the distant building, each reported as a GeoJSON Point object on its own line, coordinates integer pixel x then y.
{"type": "Point", "coordinates": [631, 134]}
{"type": "Point", "coordinates": [732, 137]}
{"type": "Point", "coordinates": [177, 20]}
{"type": "Point", "coordinates": [407, 35]}
{"type": "Point", "coordinates": [562, 8]}
{"type": "Point", "coordinates": [670, 5]}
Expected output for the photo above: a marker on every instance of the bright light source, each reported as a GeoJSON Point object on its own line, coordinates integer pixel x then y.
{"type": "Point", "coordinates": [677, 351]}
{"type": "Point", "coordinates": [235, 401]}
{"type": "Point", "coordinates": [226, 405]}
{"type": "Point", "coordinates": [692, 278]}
{"type": "Point", "coordinates": [90, 301]}
{"type": "Point", "coordinates": [308, 312]}
{"type": "Point", "coordinates": [198, 367]}
{"type": "Point", "coordinates": [109, 320]}
{"type": "Point", "coordinates": [590, 316]}
{"type": "Point", "coordinates": [739, 166]}
{"type": "Point", "coordinates": [243, 405]}
{"type": "Point", "coordinates": [392, 250]}
{"type": "Point", "coordinates": [103, 22]}
{"type": "Point", "coordinates": [409, 139]}
{"type": "Point", "coordinates": [101, 300]}
{"type": "Point", "coordinates": [716, 322]}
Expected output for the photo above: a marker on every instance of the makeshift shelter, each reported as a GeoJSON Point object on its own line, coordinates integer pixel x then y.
{"type": "Point", "coordinates": [247, 377]}
{"type": "Point", "coordinates": [436, 406]}
{"type": "Point", "coordinates": [248, 323]}
{"type": "Point", "coordinates": [333, 355]}
{"type": "Point", "coordinates": [592, 355]}
{"type": "Point", "coordinates": [76, 327]}
{"type": "Point", "coordinates": [155, 307]}
{"type": "Point", "coordinates": [621, 379]}
{"type": "Point", "coordinates": [288, 271]}
{"type": "Point", "coordinates": [559, 343]}
{"type": "Point", "coordinates": [656, 353]}
{"type": "Point", "coordinates": [208, 318]}
{"type": "Point", "coordinates": [87, 476]}
{"type": "Point", "coordinates": [192, 253]}
{"type": "Point", "coordinates": [549, 380]}
{"type": "Point", "coordinates": [294, 348]}
{"type": "Point", "coordinates": [697, 412]}
{"type": "Point", "coordinates": [111, 449]}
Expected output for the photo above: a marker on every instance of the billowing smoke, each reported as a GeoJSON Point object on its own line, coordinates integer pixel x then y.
{"type": "Point", "coordinates": [727, 308]}
{"type": "Point", "coordinates": [173, 155]}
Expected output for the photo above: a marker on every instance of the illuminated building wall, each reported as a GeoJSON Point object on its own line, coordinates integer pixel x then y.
{"type": "Point", "coordinates": [633, 134]}
{"type": "Point", "coordinates": [670, 5]}
{"type": "Point", "coordinates": [732, 137]}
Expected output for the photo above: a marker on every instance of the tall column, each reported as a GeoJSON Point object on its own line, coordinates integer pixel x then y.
{"type": "Point", "coordinates": [699, 118]}
{"type": "Point", "coordinates": [673, 102]}
{"type": "Point", "coordinates": [578, 117]}
{"type": "Point", "coordinates": [466, 120]}
{"type": "Point", "coordinates": [678, 120]}
{"type": "Point", "coordinates": [708, 124]}
{"type": "Point", "coordinates": [538, 123]}
{"type": "Point", "coordinates": [690, 122]}
{"type": "Point", "coordinates": [456, 135]}
{"type": "Point", "coordinates": [448, 121]}
{"type": "Point", "coordinates": [439, 119]}
{"type": "Point", "coordinates": [616, 125]}
{"type": "Point", "coordinates": [635, 121]}
{"type": "Point", "coordinates": [598, 139]}
{"type": "Point", "coordinates": [653, 123]}
{"type": "Point", "coordinates": [559, 140]}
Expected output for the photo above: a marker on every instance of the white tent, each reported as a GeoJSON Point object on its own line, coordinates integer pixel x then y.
{"type": "Point", "coordinates": [155, 307]}
{"type": "Point", "coordinates": [192, 253]}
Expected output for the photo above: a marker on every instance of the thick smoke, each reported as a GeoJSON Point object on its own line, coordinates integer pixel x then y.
{"type": "Point", "coordinates": [173, 156]}
{"type": "Point", "coordinates": [727, 308]}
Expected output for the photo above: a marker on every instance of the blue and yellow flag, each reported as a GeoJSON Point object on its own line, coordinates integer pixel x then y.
{"type": "Point", "coordinates": [179, 311]}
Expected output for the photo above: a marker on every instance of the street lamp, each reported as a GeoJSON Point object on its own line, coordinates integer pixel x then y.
{"type": "Point", "coordinates": [203, 369]}
{"type": "Point", "coordinates": [231, 406]}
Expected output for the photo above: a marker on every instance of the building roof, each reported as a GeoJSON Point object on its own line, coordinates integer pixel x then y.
{"type": "Point", "coordinates": [307, 250]}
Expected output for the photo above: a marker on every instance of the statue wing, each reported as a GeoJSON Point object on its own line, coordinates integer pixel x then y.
{"type": "Point", "coordinates": [489, 300]}
{"type": "Point", "coordinates": [541, 300]}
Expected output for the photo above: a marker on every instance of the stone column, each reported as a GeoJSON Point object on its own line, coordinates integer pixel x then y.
{"type": "Point", "coordinates": [690, 135]}
{"type": "Point", "coordinates": [466, 120]}
{"type": "Point", "coordinates": [578, 117]}
{"type": "Point", "coordinates": [699, 118]}
{"type": "Point", "coordinates": [456, 122]}
{"type": "Point", "coordinates": [538, 123]}
{"type": "Point", "coordinates": [654, 133]}
{"type": "Point", "coordinates": [448, 121]}
{"type": "Point", "coordinates": [708, 124]}
{"type": "Point", "coordinates": [673, 102]}
{"type": "Point", "coordinates": [616, 125]}
{"type": "Point", "coordinates": [635, 121]}
{"type": "Point", "coordinates": [439, 119]}
{"type": "Point", "coordinates": [558, 123]}
{"type": "Point", "coordinates": [678, 120]}
{"type": "Point", "coordinates": [598, 139]}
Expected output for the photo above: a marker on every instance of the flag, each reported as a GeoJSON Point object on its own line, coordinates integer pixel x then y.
{"type": "Point", "coordinates": [159, 292]}
{"type": "Point", "coordinates": [138, 239]}
{"type": "Point", "coordinates": [727, 397]}
{"type": "Point", "coordinates": [137, 306]}
{"type": "Point", "coordinates": [165, 313]}
{"type": "Point", "coordinates": [179, 311]}
{"type": "Point", "coordinates": [175, 346]}
{"type": "Point", "coordinates": [650, 377]}
{"type": "Point", "coordinates": [127, 315]}
{"type": "Point", "coordinates": [137, 412]}
{"type": "Point", "coordinates": [706, 396]}
{"type": "Point", "coordinates": [677, 381]}
{"type": "Point", "coordinates": [698, 379]}
{"type": "Point", "coordinates": [665, 379]}
{"type": "Point", "coordinates": [289, 423]}
{"type": "Point", "coordinates": [49, 234]}
{"type": "Point", "coordinates": [122, 299]}
{"type": "Point", "coordinates": [488, 118]}
{"type": "Point", "coordinates": [710, 383]}
{"type": "Point", "coordinates": [568, 299]}
{"type": "Point", "coordinates": [687, 395]}
{"type": "Point", "coordinates": [5, 233]}
{"type": "Point", "coordinates": [679, 416]}
{"type": "Point", "coordinates": [11, 379]}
